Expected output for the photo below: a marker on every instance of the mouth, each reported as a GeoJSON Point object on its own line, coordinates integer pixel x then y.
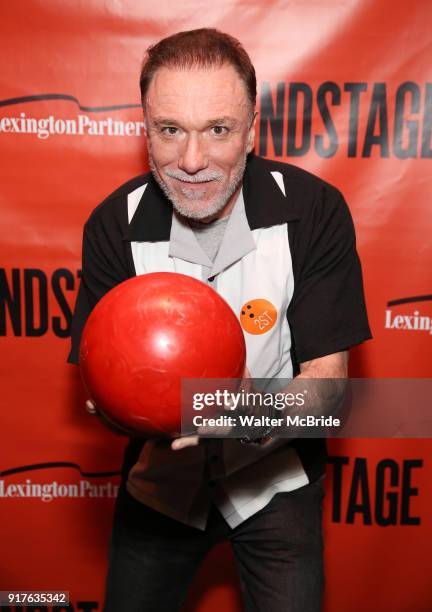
{"type": "Point", "coordinates": [193, 184]}
{"type": "Point", "coordinates": [193, 181]}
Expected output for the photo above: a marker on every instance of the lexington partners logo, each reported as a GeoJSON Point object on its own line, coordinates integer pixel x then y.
{"type": "Point", "coordinates": [80, 125]}
{"type": "Point", "coordinates": [47, 491]}
{"type": "Point", "coordinates": [402, 315]}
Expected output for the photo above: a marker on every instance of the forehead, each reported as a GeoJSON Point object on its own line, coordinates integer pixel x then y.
{"type": "Point", "coordinates": [194, 93]}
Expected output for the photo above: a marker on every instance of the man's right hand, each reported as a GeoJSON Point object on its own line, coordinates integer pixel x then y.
{"type": "Point", "coordinates": [117, 429]}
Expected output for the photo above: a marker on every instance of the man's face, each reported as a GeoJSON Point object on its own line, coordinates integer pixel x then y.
{"type": "Point", "coordinates": [200, 128]}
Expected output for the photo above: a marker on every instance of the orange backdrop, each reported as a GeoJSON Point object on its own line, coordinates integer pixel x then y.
{"type": "Point", "coordinates": [344, 93]}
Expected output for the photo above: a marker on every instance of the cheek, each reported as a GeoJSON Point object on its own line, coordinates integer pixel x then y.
{"type": "Point", "coordinates": [229, 156]}
{"type": "Point", "coordinates": [162, 153]}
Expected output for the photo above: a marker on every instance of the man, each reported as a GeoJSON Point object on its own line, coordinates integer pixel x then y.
{"type": "Point", "coordinates": [256, 231]}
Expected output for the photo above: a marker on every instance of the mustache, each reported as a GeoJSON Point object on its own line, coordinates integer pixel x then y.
{"type": "Point", "coordinates": [200, 177]}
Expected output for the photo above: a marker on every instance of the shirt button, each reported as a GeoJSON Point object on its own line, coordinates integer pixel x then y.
{"type": "Point", "coordinates": [211, 483]}
{"type": "Point", "coordinates": [214, 458]}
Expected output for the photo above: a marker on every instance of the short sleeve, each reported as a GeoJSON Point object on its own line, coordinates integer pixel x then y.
{"type": "Point", "coordinates": [327, 312]}
{"type": "Point", "coordinates": [103, 268]}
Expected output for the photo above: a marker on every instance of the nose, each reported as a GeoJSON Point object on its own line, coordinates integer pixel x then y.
{"type": "Point", "coordinates": [193, 157]}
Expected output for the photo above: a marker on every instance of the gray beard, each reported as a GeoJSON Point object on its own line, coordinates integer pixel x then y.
{"type": "Point", "coordinates": [198, 213]}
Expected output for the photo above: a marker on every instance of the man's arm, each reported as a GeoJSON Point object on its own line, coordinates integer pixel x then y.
{"type": "Point", "coordinates": [329, 366]}
{"type": "Point", "coordinates": [104, 266]}
{"type": "Point", "coordinates": [325, 380]}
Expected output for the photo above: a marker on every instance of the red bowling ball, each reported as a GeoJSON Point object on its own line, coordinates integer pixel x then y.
{"type": "Point", "coordinates": [148, 333]}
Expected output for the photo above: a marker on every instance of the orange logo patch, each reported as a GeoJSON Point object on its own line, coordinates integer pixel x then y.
{"type": "Point", "coordinates": [258, 316]}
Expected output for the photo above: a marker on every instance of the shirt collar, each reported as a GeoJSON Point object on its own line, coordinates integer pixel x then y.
{"type": "Point", "coordinates": [237, 240]}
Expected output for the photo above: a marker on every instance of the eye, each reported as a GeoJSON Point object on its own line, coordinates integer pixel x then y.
{"type": "Point", "coordinates": [169, 130]}
{"type": "Point", "coordinates": [219, 130]}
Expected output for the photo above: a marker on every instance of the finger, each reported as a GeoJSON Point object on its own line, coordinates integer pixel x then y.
{"type": "Point", "coordinates": [90, 407]}
{"type": "Point", "coordinates": [180, 443]}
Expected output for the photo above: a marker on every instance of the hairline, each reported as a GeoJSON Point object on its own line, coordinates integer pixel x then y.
{"type": "Point", "coordinates": [199, 65]}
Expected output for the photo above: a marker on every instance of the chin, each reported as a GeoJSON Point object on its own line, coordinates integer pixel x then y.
{"type": "Point", "coordinates": [197, 211]}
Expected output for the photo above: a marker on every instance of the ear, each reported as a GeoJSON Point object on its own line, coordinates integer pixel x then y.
{"type": "Point", "coordinates": [143, 105]}
{"type": "Point", "coordinates": [251, 134]}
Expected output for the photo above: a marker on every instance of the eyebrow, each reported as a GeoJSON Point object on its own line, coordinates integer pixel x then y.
{"type": "Point", "coordinates": [217, 121]}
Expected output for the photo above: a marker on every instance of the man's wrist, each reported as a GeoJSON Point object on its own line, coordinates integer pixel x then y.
{"type": "Point", "coordinates": [261, 435]}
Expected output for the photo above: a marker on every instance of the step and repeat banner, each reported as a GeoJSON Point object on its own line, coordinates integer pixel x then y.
{"type": "Point", "coordinates": [345, 91]}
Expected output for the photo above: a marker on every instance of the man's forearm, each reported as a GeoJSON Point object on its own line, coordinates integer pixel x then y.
{"type": "Point", "coordinates": [322, 396]}
{"type": "Point", "coordinates": [321, 385]}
